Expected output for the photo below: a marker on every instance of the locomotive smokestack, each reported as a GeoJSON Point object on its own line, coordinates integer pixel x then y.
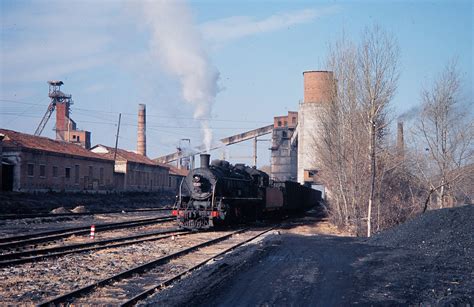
{"type": "Point", "coordinates": [205, 160]}
{"type": "Point", "coordinates": [141, 137]}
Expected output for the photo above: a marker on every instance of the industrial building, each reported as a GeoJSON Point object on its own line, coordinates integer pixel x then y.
{"type": "Point", "coordinates": [134, 172]}
{"type": "Point", "coordinates": [33, 163]}
{"type": "Point", "coordinates": [283, 154]}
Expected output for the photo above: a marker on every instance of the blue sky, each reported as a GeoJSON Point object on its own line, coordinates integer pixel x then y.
{"type": "Point", "coordinates": [112, 55]}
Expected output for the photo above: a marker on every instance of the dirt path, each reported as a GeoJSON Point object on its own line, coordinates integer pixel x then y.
{"type": "Point", "coordinates": [304, 266]}
{"type": "Point", "coordinates": [300, 271]}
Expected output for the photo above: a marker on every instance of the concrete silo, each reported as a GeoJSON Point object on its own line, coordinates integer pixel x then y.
{"type": "Point", "coordinates": [319, 90]}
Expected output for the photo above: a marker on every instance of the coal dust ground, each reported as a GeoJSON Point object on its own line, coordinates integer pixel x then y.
{"type": "Point", "coordinates": [427, 261]}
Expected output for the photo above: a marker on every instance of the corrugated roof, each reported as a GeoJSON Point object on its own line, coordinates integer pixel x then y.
{"type": "Point", "coordinates": [17, 139]}
{"type": "Point", "coordinates": [123, 154]}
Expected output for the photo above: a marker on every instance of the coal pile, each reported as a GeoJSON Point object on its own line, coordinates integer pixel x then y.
{"type": "Point", "coordinates": [441, 265]}
{"type": "Point", "coordinates": [435, 232]}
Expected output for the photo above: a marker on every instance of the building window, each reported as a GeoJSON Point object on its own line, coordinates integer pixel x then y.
{"type": "Point", "coordinates": [286, 123]}
{"type": "Point", "coordinates": [293, 120]}
{"type": "Point", "coordinates": [78, 138]}
{"type": "Point", "coordinates": [76, 174]}
{"type": "Point", "coordinates": [55, 171]}
{"type": "Point", "coordinates": [67, 173]}
{"type": "Point", "coordinates": [43, 170]}
{"type": "Point", "coordinates": [169, 181]}
{"type": "Point", "coordinates": [91, 172]}
{"type": "Point", "coordinates": [31, 169]}
{"type": "Point", "coordinates": [284, 134]}
{"type": "Point", "coordinates": [279, 123]}
{"type": "Point", "coordinates": [101, 175]}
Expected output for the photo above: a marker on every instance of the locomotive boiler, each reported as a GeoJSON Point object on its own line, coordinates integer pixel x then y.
{"type": "Point", "coordinates": [222, 193]}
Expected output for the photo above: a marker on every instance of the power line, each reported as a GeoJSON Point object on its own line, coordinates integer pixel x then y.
{"type": "Point", "coordinates": [148, 115]}
{"type": "Point", "coordinates": [133, 124]}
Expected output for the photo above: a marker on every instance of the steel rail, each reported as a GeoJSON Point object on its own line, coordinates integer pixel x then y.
{"type": "Point", "coordinates": [22, 257]}
{"type": "Point", "coordinates": [53, 215]}
{"type": "Point", "coordinates": [64, 299]}
{"type": "Point", "coordinates": [62, 233]}
{"type": "Point", "coordinates": [151, 290]}
{"type": "Point", "coordinates": [51, 232]}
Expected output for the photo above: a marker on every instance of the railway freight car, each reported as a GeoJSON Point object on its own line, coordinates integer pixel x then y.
{"type": "Point", "coordinates": [222, 193]}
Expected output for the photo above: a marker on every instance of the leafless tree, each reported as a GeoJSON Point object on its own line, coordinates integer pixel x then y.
{"type": "Point", "coordinates": [445, 134]}
{"type": "Point", "coordinates": [353, 125]}
{"type": "Point", "coordinates": [378, 76]}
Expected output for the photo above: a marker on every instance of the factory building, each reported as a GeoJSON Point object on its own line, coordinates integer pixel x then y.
{"type": "Point", "coordinates": [135, 172]}
{"type": "Point", "coordinates": [319, 90]}
{"type": "Point", "coordinates": [284, 155]}
{"type": "Point", "coordinates": [33, 163]}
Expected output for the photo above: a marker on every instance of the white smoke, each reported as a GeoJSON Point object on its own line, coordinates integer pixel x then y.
{"type": "Point", "coordinates": [177, 43]}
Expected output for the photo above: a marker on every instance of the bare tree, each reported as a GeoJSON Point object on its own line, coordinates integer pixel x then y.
{"type": "Point", "coordinates": [354, 124]}
{"type": "Point", "coordinates": [445, 132]}
{"type": "Point", "coordinates": [340, 145]}
{"type": "Point", "coordinates": [378, 63]}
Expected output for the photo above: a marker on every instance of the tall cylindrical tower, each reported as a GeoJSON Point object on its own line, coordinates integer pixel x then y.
{"type": "Point", "coordinates": [318, 86]}
{"type": "Point", "coordinates": [319, 90]}
{"type": "Point", "coordinates": [141, 137]}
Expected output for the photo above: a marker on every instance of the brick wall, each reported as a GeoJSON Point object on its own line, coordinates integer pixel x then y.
{"type": "Point", "coordinates": [45, 171]}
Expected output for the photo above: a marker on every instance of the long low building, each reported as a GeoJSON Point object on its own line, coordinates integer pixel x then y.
{"type": "Point", "coordinates": [38, 164]}
{"type": "Point", "coordinates": [135, 172]}
{"type": "Point", "coordinates": [32, 163]}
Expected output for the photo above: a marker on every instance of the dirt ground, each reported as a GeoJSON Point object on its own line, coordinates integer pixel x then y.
{"type": "Point", "coordinates": [313, 264]}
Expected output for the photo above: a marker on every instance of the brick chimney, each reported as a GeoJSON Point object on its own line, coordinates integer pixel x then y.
{"type": "Point", "coordinates": [400, 140]}
{"type": "Point", "coordinates": [141, 137]}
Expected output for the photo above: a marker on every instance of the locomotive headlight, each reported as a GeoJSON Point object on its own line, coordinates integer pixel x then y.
{"type": "Point", "coordinates": [196, 181]}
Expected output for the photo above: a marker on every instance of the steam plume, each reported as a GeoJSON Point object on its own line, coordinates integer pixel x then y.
{"type": "Point", "coordinates": [409, 114]}
{"type": "Point", "coordinates": [176, 42]}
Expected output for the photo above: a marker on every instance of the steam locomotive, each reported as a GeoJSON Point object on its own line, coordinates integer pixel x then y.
{"type": "Point", "coordinates": [221, 193]}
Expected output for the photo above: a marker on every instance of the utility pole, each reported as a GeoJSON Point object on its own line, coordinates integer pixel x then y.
{"type": "Point", "coordinates": [116, 137]}
{"type": "Point", "coordinates": [255, 140]}
{"type": "Point", "coordinates": [255, 152]}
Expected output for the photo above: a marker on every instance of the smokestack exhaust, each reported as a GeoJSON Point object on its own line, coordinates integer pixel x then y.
{"type": "Point", "coordinates": [141, 137]}
{"type": "Point", "coordinates": [205, 158]}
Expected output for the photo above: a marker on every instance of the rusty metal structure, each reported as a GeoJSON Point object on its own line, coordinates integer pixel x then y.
{"type": "Point", "coordinates": [66, 129]}
{"type": "Point", "coordinates": [234, 139]}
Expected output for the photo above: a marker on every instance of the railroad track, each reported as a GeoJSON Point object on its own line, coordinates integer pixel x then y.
{"type": "Point", "coordinates": [130, 286]}
{"type": "Point", "coordinates": [56, 215]}
{"type": "Point", "coordinates": [10, 259]}
{"type": "Point", "coordinates": [49, 236]}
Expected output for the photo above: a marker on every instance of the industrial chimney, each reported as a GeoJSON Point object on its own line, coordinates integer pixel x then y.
{"type": "Point", "coordinates": [141, 138]}
{"type": "Point", "coordinates": [205, 160]}
{"type": "Point", "coordinates": [400, 141]}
